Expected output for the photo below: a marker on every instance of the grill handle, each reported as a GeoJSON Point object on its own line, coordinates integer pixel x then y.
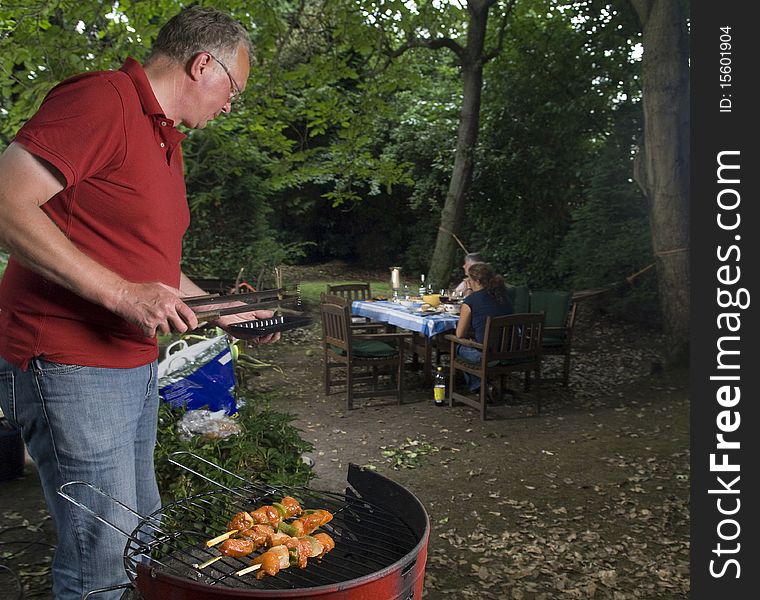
{"type": "Point", "coordinates": [174, 459]}
{"type": "Point", "coordinates": [151, 521]}
{"type": "Point", "coordinates": [123, 586]}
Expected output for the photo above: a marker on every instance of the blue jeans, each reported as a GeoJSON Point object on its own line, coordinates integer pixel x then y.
{"type": "Point", "coordinates": [94, 425]}
{"type": "Point", "coordinates": [472, 355]}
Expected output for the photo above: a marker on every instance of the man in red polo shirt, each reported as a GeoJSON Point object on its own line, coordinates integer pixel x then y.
{"type": "Point", "coordinates": [92, 195]}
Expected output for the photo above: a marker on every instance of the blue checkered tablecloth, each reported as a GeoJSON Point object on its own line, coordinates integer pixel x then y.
{"type": "Point", "coordinates": [411, 318]}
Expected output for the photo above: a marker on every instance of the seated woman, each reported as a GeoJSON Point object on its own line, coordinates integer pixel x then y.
{"type": "Point", "coordinates": [488, 299]}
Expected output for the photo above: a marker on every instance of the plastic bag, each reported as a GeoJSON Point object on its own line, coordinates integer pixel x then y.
{"type": "Point", "coordinates": [200, 375]}
{"type": "Point", "coordinates": [207, 424]}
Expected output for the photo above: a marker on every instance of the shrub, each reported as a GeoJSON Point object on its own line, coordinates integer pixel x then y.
{"type": "Point", "coordinates": [268, 450]}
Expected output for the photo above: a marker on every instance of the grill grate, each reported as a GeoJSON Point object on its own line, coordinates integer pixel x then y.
{"type": "Point", "coordinates": [367, 537]}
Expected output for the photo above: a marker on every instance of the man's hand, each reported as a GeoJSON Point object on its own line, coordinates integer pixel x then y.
{"type": "Point", "coordinates": [155, 308]}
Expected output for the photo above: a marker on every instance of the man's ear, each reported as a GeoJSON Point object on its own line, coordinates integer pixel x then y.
{"type": "Point", "coordinates": [198, 65]}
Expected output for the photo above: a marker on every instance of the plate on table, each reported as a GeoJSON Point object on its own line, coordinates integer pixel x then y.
{"type": "Point", "coordinates": [427, 309]}
{"type": "Point", "coordinates": [451, 308]}
{"type": "Point", "coordinates": [408, 304]}
{"type": "Point", "coordinates": [261, 327]}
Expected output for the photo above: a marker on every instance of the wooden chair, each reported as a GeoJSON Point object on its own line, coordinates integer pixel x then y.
{"type": "Point", "coordinates": [351, 292]}
{"type": "Point", "coordinates": [366, 357]}
{"type": "Point", "coordinates": [559, 308]}
{"type": "Point", "coordinates": [512, 343]}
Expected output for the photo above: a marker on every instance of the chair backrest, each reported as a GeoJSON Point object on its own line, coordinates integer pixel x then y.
{"type": "Point", "coordinates": [555, 304]}
{"type": "Point", "coordinates": [328, 298]}
{"type": "Point", "coordinates": [336, 322]}
{"type": "Point", "coordinates": [516, 336]}
{"type": "Point", "coordinates": [519, 296]}
{"type": "Point", "coordinates": [353, 291]}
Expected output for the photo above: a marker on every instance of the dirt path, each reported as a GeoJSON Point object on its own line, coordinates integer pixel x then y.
{"type": "Point", "coordinates": [590, 500]}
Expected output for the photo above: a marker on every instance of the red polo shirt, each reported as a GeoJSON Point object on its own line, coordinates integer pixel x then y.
{"type": "Point", "coordinates": [124, 205]}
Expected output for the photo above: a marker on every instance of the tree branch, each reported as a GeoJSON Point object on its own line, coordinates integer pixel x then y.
{"type": "Point", "coordinates": [487, 56]}
{"type": "Point", "coordinates": [433, 44]}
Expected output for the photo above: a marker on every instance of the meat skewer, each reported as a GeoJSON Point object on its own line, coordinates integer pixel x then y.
{"type": "Point", "coordinates": [307, 523]}
{"type": "Point", "coordinates": [271, 515]}
{"type": "Point", "coordinates": [294, 551]}
{"type": "Point", "coordinates": [257, 537]}
{"type": "Point", "coordinates": [249, 540]}
{"type": "Point", "coordinates": [249, 531]}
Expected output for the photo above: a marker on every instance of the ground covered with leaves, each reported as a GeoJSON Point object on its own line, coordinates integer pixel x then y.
{"type": "Point", "coordinates": [588, 500]}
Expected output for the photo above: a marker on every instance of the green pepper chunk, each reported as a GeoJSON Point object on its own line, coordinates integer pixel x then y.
{"type": "Point", "coordinates": [281, 509]}
{"type": "Point", "coordinates": [287, 529]}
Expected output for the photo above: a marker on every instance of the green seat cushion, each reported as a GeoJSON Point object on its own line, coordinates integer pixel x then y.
{"type": "Point", "coordinates": [369, 349]}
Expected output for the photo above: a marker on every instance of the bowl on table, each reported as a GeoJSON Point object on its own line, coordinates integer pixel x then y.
{"type": "Point", "coordinates": [432, 299]}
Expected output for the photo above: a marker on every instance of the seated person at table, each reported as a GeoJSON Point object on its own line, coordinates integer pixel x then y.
{"type": "Point", "coordinates": [463, 289]}
{"type": "Point", "coordinates": [488, 299]}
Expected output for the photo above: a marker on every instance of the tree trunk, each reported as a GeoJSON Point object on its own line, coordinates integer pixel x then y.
{"type": "Point", "coordinates": [444, 255]}
{"type": "Point", "coordinates": [662, 169]}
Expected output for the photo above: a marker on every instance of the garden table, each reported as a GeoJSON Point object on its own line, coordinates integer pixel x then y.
{"type": "Point", "coordinates": [426, 324]}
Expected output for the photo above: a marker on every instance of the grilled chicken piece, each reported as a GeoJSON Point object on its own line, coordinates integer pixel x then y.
{"type": "Point", "coordinates": [241, 521]}
{"type": "Point", "coordinates": [260, 534]}
{"type": "Point", "coordinates": [237, 547]}
{"type": "Point", "coordinates": [266, 515]}
{"type": "Point", "coordinates": [306, 524]}
{"type": "Point", "coordinates": [272, 561]}
{"type": "Point", "coordinates": [327, 543]}
{"type": "Point", "coordinates": [292, 507]}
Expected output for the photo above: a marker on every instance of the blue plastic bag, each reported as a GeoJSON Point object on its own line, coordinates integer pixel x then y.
{"type": "Point", "coordinates": [200, 375]}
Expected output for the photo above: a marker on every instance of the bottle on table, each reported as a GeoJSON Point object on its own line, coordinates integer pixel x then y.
{"type": "Point", "coordinates": [439, 387]}
{"type": "Point", "coordinates": [423, 287]}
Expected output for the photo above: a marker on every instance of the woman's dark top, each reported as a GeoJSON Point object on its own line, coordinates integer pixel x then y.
{"type": "Point", "coordinates": [484, 305]}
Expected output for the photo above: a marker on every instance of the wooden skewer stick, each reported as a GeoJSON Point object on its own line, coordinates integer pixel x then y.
{"type": "Point", "coordinates": [248, 569]}
{"type": "Point", "coordinates": [210, 561]}
{"type": "Point", "coordinates": [220, 538]}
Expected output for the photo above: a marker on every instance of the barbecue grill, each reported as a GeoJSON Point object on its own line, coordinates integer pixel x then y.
{"type": "Point", "coordinates": [380, 530]}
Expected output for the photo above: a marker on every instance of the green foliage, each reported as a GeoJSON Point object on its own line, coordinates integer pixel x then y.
{"type": "Point", "coordinates": [551, 104]}
{"type": "Point", "coordinates": [268, 450]}
{"type": "Point", "coordinates": [609, 240]}
{"type": "Point", "coordinates": [339, 151]}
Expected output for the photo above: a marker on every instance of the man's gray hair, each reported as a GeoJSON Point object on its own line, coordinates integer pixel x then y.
{"type": "Point", "coordinates": [473, 257]}
{"type": "Point", "coordinates": [200, 29]}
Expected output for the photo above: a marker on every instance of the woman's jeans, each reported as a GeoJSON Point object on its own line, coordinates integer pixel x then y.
{"type": "Point", "coordinates": [472, 355]}
{"type": "Point", "coordinates": [98, 426]}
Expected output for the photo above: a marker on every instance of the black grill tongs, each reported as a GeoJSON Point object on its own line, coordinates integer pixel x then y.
{"type": "Point", "coordinates": [265, 299]}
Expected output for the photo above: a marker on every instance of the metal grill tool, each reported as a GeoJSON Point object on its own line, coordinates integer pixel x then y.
{"type": "Point", "coordinates": [265, 299]}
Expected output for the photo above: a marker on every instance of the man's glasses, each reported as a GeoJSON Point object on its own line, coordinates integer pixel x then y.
{"type": "Point", "coordinates": [235, 89]}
